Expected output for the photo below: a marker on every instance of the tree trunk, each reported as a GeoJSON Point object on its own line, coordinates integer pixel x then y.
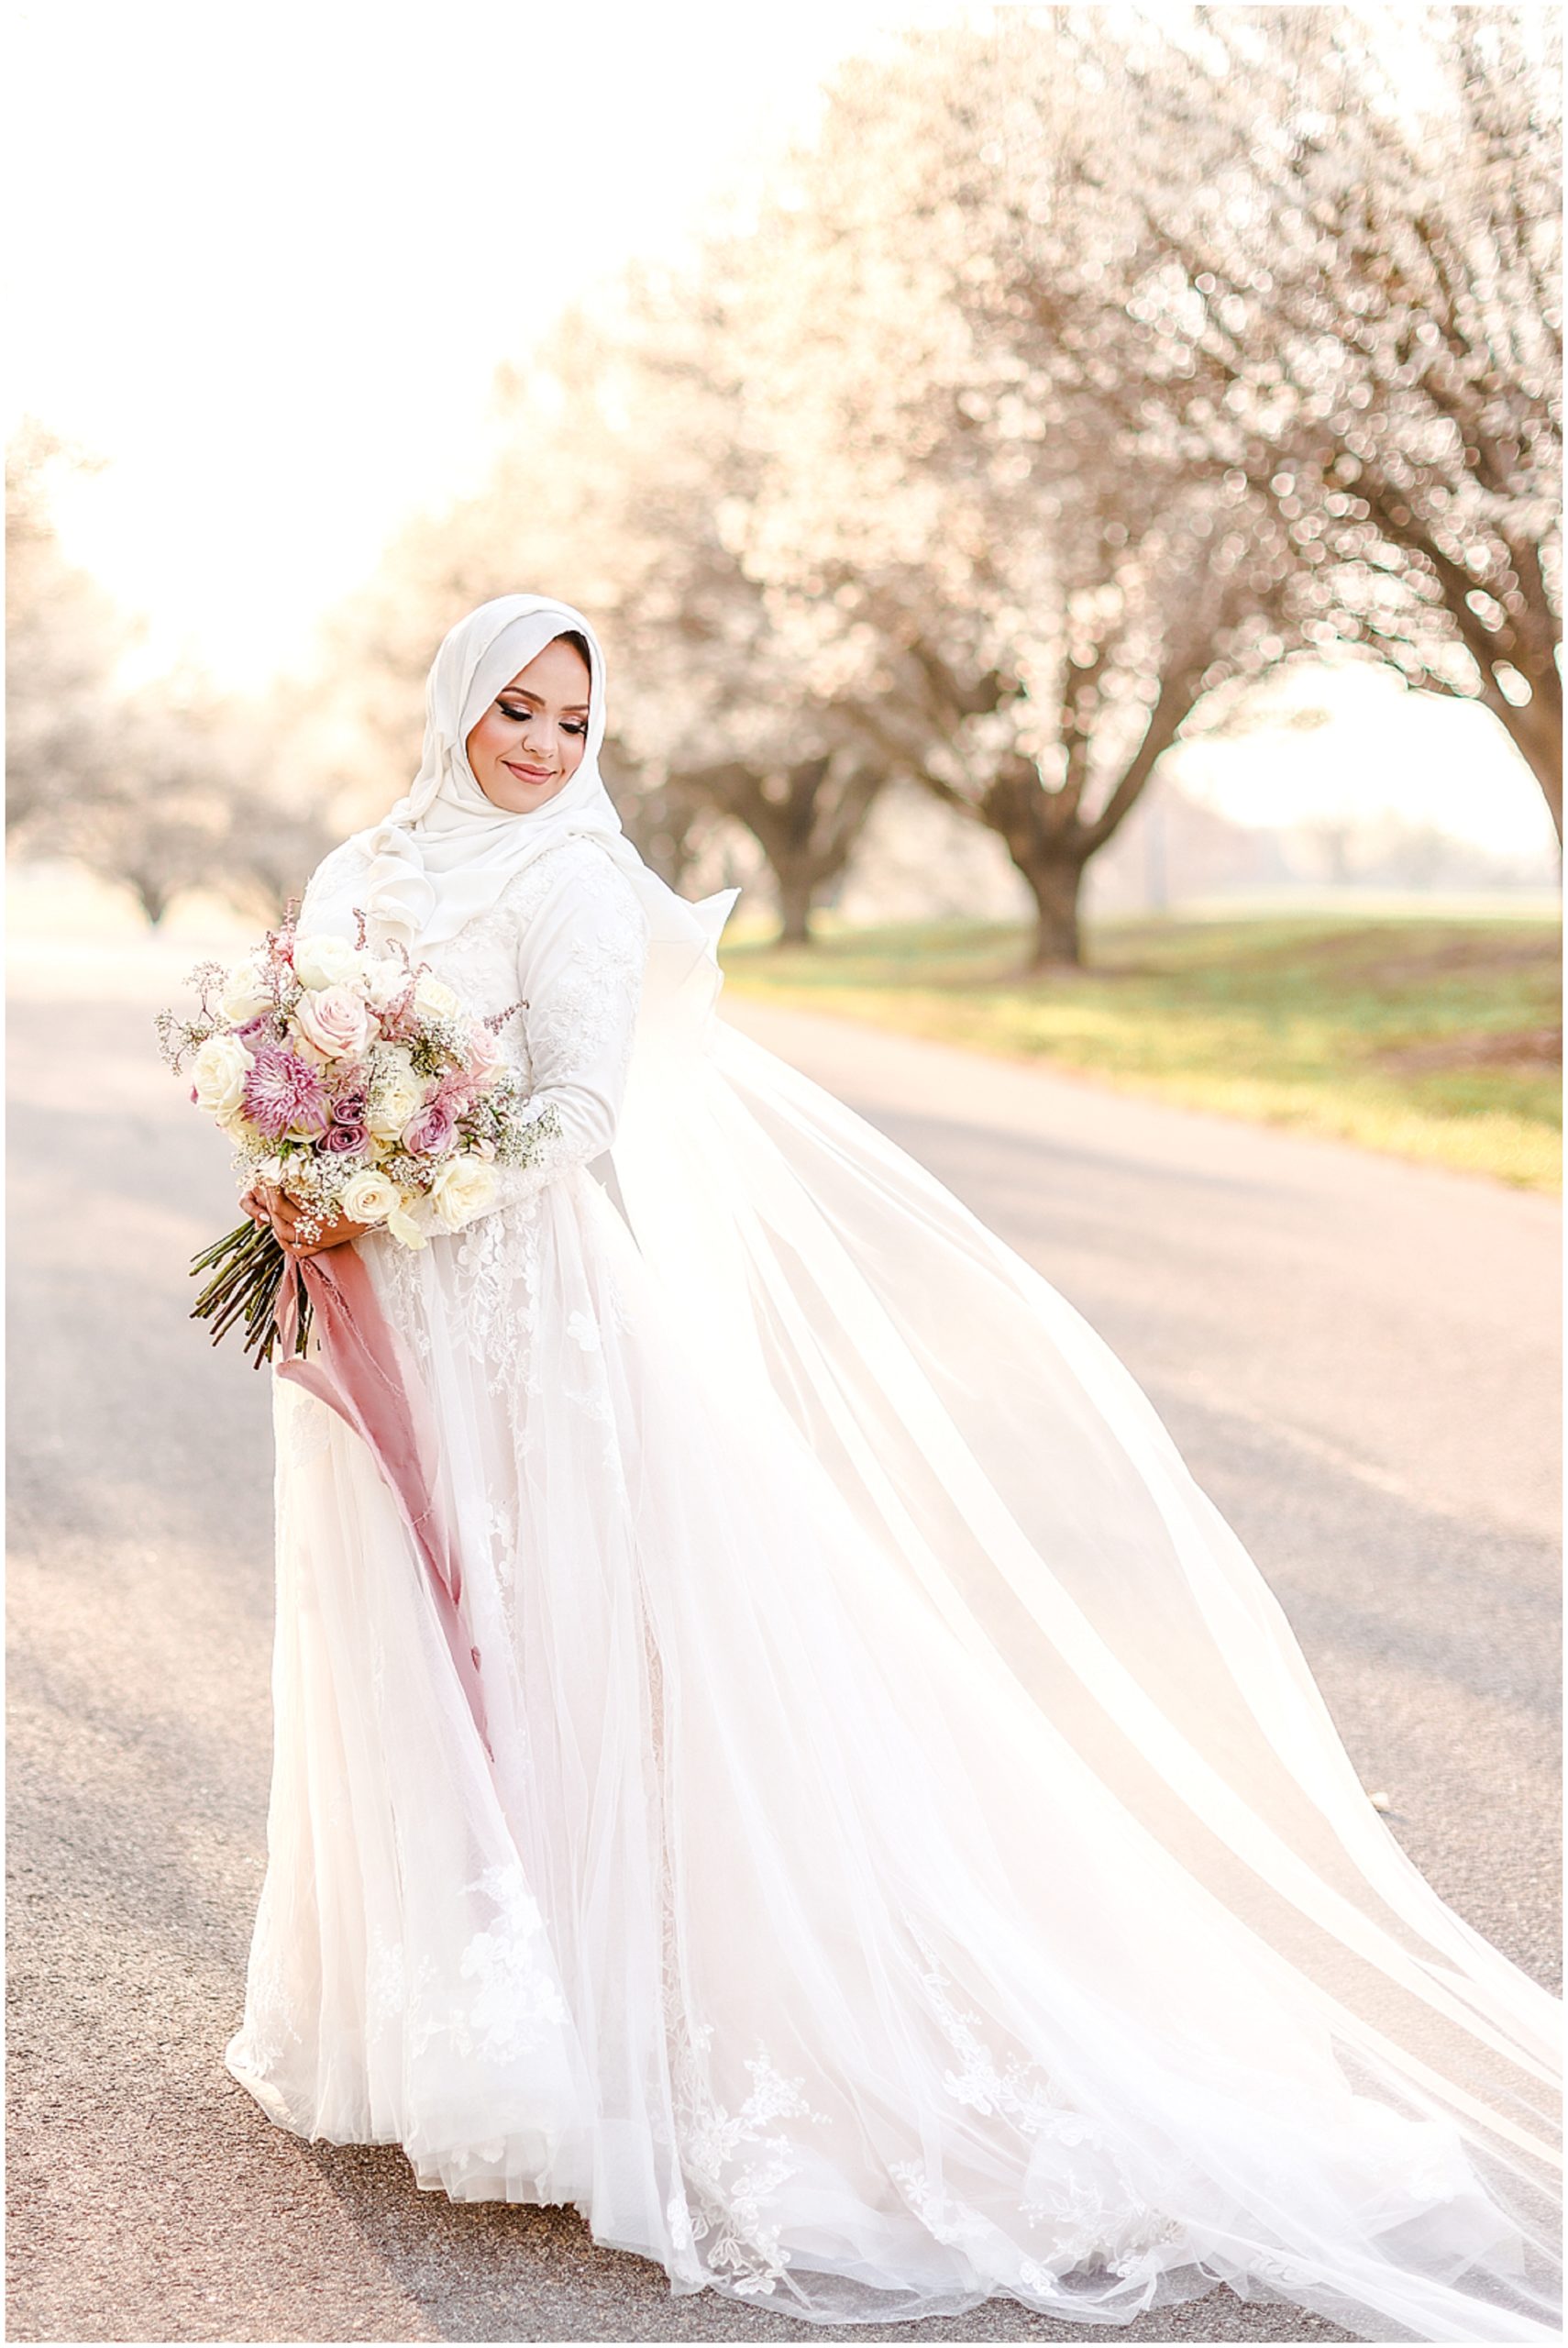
{"type": "Point", "coordinates": [1536, 731]}
{"type": "Point", "coordinates": [1056, 882]}
{"type": "Point", "coordinates": [797, 887]}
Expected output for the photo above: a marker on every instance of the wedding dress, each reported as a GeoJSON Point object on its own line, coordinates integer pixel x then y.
{"type": "Point", "coordinates": [912, 1862]}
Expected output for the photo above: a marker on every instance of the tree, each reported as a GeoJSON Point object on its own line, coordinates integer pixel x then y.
{"type": "Point", "coordinates": [196, 804]}
{"type": "Point", "coordinates": [164, 787]}
{"type": "Point", "coordinates": [1022, 576]}
{"type": "Point", "coordinates": [1054, 760]}
{"type": "Point", "coordinates": [561, 510]}
{"type": "Point", "coordinates": [65, 641]}
{"type": "Point", "coordinates": [1354, 296]}
{"type": "Point", "coordinates": [650, 454]}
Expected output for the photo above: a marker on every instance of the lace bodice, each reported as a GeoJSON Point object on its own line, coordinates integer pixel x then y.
{"type": "Point", "coordinates": [566, 941]}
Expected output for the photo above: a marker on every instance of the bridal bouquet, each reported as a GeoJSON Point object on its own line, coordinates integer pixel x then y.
{"type": "Point", "coordinates": [358, 1085]}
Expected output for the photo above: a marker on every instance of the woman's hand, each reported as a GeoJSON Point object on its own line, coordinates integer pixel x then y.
{"type": "Point", "coordinates": [265, 1204]}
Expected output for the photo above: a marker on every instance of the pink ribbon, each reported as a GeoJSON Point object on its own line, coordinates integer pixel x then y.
{"type": "Point", "coordinates": [363, 1372]}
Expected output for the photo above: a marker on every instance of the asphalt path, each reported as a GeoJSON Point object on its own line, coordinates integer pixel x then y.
{"type": "Point", "coordinates": [1357, 1357]}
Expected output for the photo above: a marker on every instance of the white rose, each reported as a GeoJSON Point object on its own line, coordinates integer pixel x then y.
{"type": "Point", "coordinates": [385, 981]}
{"type": "Point", "coordinates": [328, 961]}
{"type": "Point", "coordinates": [395, 1093]}
{"type": "Point", "coordinates": [218, 1075]}
{"type": "Point", "coordinates": [245, 994]}
{"type": "Point", "coordinates": [336, 1021]}
{"type": "Point", "coordinates": [432, 1000]}
{"type": "Point", "coordinates": [369, 1197]}
{"type": "Point", "coordinates": [464, 1187]}
{"type": "Point", "coordinates": [402, 1224]}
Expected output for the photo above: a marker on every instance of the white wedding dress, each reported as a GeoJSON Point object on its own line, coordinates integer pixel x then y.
{"type": "Point", "coordinates": [915, 1864]}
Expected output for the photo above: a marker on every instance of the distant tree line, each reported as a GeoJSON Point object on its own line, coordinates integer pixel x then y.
{"type": "Point", "coordinates": [164, 787]}
{"type": "Point", "coordinates": [1079, 371]}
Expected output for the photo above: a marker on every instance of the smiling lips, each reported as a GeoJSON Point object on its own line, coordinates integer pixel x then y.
{"type": "Point", "coordinates": [528, 774]}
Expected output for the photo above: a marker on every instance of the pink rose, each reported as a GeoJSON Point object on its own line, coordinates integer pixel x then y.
{"type": "Point", "coordinates": [336, 1021]}
{"type": "Point", "coordinates": [430, 1133]}
{"type": "Point", "coordinates": [339, 1139]}
{"type": "Point", "coordinates": [483, 1055]}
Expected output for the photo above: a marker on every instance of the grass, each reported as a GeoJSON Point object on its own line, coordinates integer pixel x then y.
{"type": "Point", "coordinates": [1431, 1038]}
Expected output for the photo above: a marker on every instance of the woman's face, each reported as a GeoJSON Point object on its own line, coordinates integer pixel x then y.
{"type": "Point", "coordinates": [530, 741]}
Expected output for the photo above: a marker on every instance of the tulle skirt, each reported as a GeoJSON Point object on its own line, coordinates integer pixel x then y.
{"type": "Point", "coordinates": [786, 1934]}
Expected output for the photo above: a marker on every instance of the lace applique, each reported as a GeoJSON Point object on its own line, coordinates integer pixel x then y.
{"type": "Point", "coordinates": [1095, 2212]}
{"type": "Point", "coordinates": [1019, 2093]}
{"type": "Point", "coordinates": [340, 873]}
{"type": "Point", "coordinates": [727, 2165]}
{"type": "Point", "coordinates": [944, 2218]}
{"type": "Point", "coordinates": [587, 1007]}
{"type": "Point", "coordinates": [514, 2005]}
{"type": "Point", "coordinates": [501, 1535]}
{"type": "Point", "coordinates": [261, 2043]}
{"type": "Point", "coordinates": [499, 1258]}
{"type": "Point", "coordinates": [733, 2165]}
{"type": "Point", "coordinates": [404, 1278]}
{"type": "Point", "coordinates": [386, 1988]}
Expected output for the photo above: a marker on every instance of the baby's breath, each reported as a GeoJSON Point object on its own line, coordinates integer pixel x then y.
{"type": "Point", "coordinates": [178, 1038]}
{"type": "Point", "coordinates": [520, 1141]}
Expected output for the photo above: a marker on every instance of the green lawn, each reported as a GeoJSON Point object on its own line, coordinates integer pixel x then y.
{"type": "Point", "coordinates": [1431, 1038]}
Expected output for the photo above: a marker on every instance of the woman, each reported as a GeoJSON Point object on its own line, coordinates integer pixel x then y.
{"type": "Point", "coordinates": [907, 1860]}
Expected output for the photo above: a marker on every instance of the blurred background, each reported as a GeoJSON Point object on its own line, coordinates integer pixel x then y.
{"type": "Point", "coordinates": [1069, 494]}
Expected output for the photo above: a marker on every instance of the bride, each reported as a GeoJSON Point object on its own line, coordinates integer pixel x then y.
{"type": "Point", "coordinates": [905, 1859]}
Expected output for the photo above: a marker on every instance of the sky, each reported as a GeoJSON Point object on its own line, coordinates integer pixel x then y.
{"type": "Point", "coordinates": [267, 260]}
{"type": "Point", "coordinates": [267, 263]}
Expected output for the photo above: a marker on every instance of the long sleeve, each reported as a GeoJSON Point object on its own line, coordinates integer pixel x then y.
{"type": "Point", "coordinates": [580, 970]}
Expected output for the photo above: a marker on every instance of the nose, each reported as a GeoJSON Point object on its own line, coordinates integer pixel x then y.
{"type": "Point", "coordinates": [538, 742]}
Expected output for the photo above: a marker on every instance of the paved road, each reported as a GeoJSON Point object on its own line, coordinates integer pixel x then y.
{"type": "Point", "coordinates": [1357, 1357]}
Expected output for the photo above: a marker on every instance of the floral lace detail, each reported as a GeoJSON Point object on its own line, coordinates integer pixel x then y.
{"type": "Point", "coordinates": [1098, 2218]}
{"type": "Point", "coordinates": [401, 1276]}
{"type": "Point", "coordinates": [727, 2164]}
{"type": "Point", "coordinates": [499, 1257]}
{"type": "Point", "coordinates": [587, 1011]}
{"type": "Point", "coordinates": [589, 1004]}
{"type": "Point", "coordinates": [267, 2033]}
{"type": "Point", "coordinates": [340, 871]}
{"type": "Point", "coordinates": [1019, 2093]}
{"type": "Point", "coordinates": [514, 2006]}
{"type": "Point", "coordinates": [386, 1985]}
{"type": "Point", "coordinates": [733, 2165]}
{"type": "Point", "coordinates": [501, 1535]}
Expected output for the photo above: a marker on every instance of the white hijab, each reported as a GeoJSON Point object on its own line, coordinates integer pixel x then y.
{"type": "Point", "coordinates": [445, 853]}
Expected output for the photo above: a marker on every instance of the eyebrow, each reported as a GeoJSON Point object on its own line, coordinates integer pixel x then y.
{"type": "Point", "coordinates": [521, 693]}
